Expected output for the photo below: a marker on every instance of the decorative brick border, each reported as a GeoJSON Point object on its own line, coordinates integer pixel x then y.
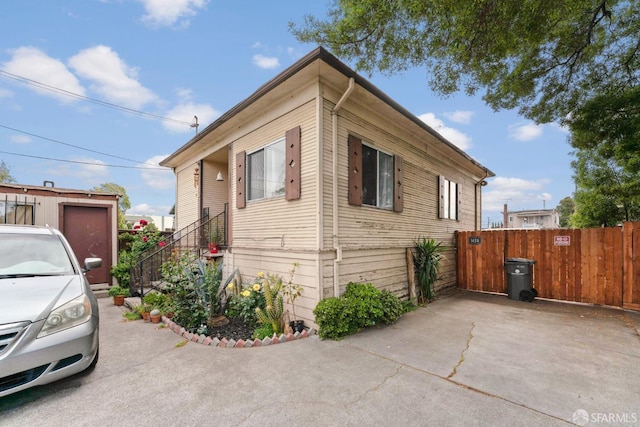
{"type": "Point", "coordinates": [216, 342]}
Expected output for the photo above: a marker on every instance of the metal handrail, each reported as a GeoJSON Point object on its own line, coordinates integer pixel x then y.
{"type": "Point", "coordinates": [194, 238]}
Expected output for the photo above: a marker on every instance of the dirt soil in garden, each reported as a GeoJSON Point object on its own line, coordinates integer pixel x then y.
{"type": "Point", "coordinates": [235, 329]}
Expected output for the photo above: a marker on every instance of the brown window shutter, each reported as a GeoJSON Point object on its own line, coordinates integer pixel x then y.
{"type": "Point", "coordinates": [441, 213]}
{"type": "Point", "coordinates": [241, 186]}
{"type": "Point", "coordinates": [459, 200]}
{"type": "Point", "coordinates": [398, 176]}
{"type": "Point", "coordinates": [355, 171]}
{"type": "Point", "coordinates": [292, 174]}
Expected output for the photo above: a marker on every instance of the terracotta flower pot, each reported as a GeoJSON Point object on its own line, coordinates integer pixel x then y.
{"type": "Point", "coordinates": [146, 316]}
{"type": "Point", "coordinates": [156, 319]}
{"type": "Point", "coordinates": [118, 300]}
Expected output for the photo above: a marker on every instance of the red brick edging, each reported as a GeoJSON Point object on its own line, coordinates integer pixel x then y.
{"type": "Point", "coordinates": [216, 342]}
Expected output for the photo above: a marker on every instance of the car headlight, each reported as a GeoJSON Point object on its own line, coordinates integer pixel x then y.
{"type": "Point", "coordinates": [73, 313]}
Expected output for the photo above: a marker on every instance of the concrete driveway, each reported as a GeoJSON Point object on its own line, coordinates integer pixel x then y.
{"type": "Point", "coordinates": [469, 359]}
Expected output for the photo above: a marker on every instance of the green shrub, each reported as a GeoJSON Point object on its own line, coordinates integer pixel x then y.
{"type": "Point", "coordinates": [365, 302]}
{"type": "Point", "coordinates": [244, 304]}
{"type": "Point", "coordinates": [361, 305]}
{"type": "Point", "coordinates": [263, 331]}
{"type": "Point", "coordinates": [392, 307]}
{"type": "Point", "coordinates": [157, 300]}
{"type": "Point", "coordinates": [333, 316]}
{"type": "Point", "coordinates": [118, 290]}
{"type": "Point", "coordinates": [426, 261]}
{"type": "Point", "coordinates": [189, 311]}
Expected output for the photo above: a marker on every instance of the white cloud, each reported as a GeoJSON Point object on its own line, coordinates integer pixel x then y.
{"type": "Point", "coordinates": [20, 139]}
{"type": "Point", "coordinates": [462, 117]}
{"type": "Point", "coordinates": [167, 13]}
{"type": "Point", "coordinates": [266, 62]}
{"type": "Point", "coordinates": [185, 112]}
{"type": "Point", "coordinates": [90, 174]}
{"type": "Point", "coordinates": [517, 193]}
{"type": "Point", "coordinates": [5, 93]}
{"type": "Point", "coordinates": [525, 132]}
{"type": "Point", "coordinates": [460, 139]}
{"type": "Point", "coordinates": [159, 179]}
{"type": "Point", "coordinates": [34, 64]}
{"type": "Point", "coordinates": [146, 209]}
{"type": "Point", "coordinates": [111, 77]}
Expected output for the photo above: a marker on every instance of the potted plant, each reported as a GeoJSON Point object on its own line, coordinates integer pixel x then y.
{"type": "Point", "coordinates": [214, 240]}
{"type": "Point", "coordinates": [155, 315]}
{"type": "Point", "coordinates": [145, 311]}
{"type": "Point", "coordinates": [291, 292]}
{"type": "Point", "coordinates": [118, 293]}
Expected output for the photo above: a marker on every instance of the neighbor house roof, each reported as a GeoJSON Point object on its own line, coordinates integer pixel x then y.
{"type": "Point", "coordinates": [54, 191]}
{"type": "Point", "coordinates": [319, 54]}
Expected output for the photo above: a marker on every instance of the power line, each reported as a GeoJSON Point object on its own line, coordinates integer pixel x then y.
{"type": "Point", "coordinates": [60, 91]}
{"type": "Point", "coordinates": [71, 145]}
{"type": "Point", "coordinates": [85, 163]}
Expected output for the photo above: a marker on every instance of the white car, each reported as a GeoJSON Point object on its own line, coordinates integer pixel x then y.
{"type": "Point", "coordinates": [48, 313]}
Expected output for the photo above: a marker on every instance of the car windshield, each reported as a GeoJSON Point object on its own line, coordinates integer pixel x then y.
{"type": "Point", "coordinates": [25, 255]}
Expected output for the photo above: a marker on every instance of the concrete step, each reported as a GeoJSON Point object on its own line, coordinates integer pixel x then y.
{"type": "Point", "coordinates": [100, 290]}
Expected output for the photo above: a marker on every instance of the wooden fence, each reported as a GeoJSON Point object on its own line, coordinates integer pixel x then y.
{"type": "Point", "coordinates": [596, 265]}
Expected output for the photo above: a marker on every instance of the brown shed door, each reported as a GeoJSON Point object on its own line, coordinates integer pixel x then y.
{"type": "Point", "coordinates": [87, 230]}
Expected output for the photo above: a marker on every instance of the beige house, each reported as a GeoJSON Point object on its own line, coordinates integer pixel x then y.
{"type": "Point", "coordinates": [535, 219]}
{"type": "Point", "coordinates": [320, 167]}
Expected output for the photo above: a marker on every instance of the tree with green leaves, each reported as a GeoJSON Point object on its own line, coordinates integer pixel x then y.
{"type": "Point", "coordinates": [123, 200]}
{"type": "Point", "coordinates": [545, 57]}
{"type": "Point", "coordinates": [610, 122]}
{"type": "Point", "coordinates": [5, 173]}
{"type": "Point", "coordinates": [565, 209]}
{"type": "Point", "coordinates": [607, 192]}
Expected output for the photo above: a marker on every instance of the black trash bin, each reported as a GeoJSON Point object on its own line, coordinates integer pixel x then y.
{"type": "Point", "coordinates": [519, 286]}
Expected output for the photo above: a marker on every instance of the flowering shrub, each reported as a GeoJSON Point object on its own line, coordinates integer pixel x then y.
{"type": "Point", "coordinates": [245, 299]}
{"type": "Point", "coordinates": [143, 237]}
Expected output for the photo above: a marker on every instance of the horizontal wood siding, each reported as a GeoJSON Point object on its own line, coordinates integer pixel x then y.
{"type": "Point", "coordinates": [276, 222]}
{"type": "Point", "coordinates": [215, 193]}
{"type": "Point", "coordinates": [598, 266]}
{"type": "Point", "coordinates": [374, 240]}
{"type": "Point", "coordinates": [187, 200]}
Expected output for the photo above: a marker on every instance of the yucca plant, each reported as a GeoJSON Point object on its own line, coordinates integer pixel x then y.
{"type": "Point", "coordinates": [274, 305]}
{"type": "Point", "coordinates": [426, 261]}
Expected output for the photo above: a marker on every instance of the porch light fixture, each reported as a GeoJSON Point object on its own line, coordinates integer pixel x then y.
{"type": "Point", "coordinates": [196, 176]}
{"type": "Point", "coordinates": [219, 177]}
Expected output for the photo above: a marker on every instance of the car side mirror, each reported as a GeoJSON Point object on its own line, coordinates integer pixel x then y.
{"type": "Point", "coordinates": [92, 263]}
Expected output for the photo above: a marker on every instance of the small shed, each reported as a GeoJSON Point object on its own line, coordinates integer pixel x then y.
{"type": "Point", "coordinates": [88, 219]}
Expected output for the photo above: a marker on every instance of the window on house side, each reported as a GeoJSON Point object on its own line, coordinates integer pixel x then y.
{"type": "Point", "coordinates": [449, 199]}
{"type": "Point", "coordinates": [266, 170]}
{"type": "Point", "coordinates": [377, 178]}
{"type": "Point", "coordinates": [16, 213]}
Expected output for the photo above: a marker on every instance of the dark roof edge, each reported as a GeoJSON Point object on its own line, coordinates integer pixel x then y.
{"type": "Point", "coordinates": [323, 54]}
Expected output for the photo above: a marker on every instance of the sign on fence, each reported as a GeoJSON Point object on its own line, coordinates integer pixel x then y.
{"type": "Point", "coordinates": [475, 240]}
{"type": "Point", "coordinates": [561, 240]}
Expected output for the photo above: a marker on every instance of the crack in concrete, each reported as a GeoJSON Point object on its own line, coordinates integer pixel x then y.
{"type": "Point", "coordinates": [376, 387]}
{"type": "Point", "coordinates": [455, 368]}
{"type": "Point", "coordinates": [452, 381]}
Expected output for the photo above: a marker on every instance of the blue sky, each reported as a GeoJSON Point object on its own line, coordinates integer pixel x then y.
{"type": "Point", "coordinates": [180, 58]}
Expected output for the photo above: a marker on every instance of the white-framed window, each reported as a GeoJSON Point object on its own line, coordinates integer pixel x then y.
{"type": "Point", "coordinates": [449, 199]}
{"type": "Point", "coordinates": [266, 171]}
{"type": "Point", "coordinates": [377, 178]}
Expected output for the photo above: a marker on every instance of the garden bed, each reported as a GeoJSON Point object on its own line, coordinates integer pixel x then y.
{"type": "Point", "coordinates": [233, 343]}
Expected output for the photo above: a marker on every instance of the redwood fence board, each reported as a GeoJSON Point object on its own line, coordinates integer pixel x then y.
{"type": "Point", "coordinates": [596, 265]}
